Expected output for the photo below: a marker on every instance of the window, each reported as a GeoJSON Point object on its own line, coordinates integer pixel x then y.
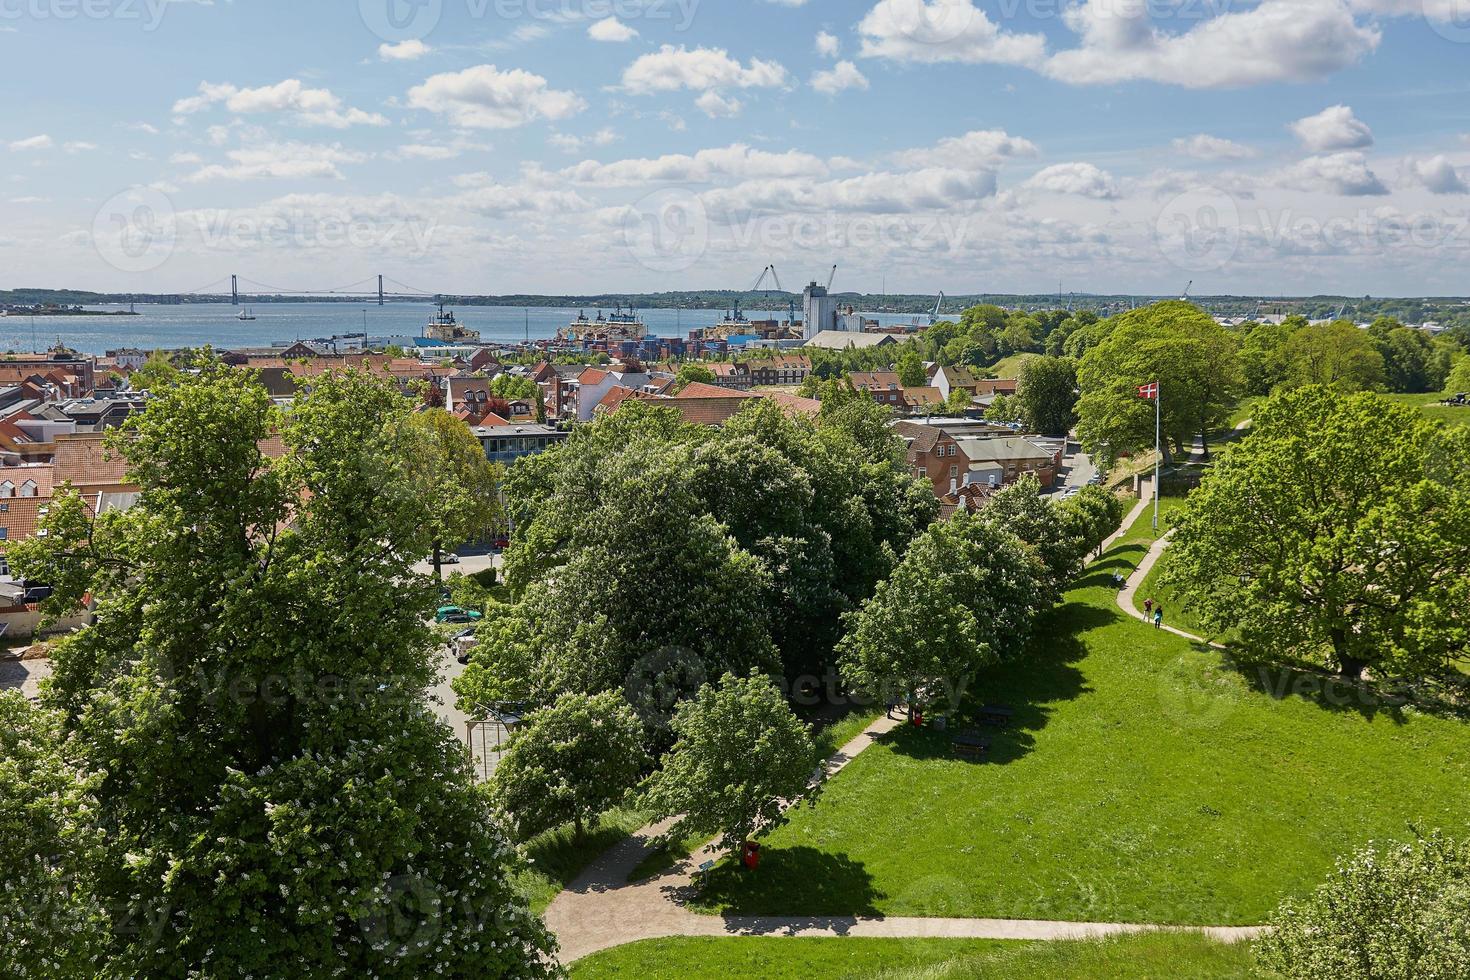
{"type": "Point", "coordinates": [954, 471]}
{"type": "Point", "coordinates": [7, 489]}
{"type": "Point", "coordinates": [28, 488]}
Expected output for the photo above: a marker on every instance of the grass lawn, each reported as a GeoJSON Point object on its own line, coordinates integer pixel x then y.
{"type": "Point", "coordinates": [1145, 780]}
{"type": "Point", "coordinates": [828, 739]}
{"type": "Point", "coordinates": [1429, 405]}
{"type": "Point", "coordinates": [1009, 368]}
{"type": "Point", "coordinates": [1244, 410]}
{"type": "Point", "coordinates": [1134, 958]}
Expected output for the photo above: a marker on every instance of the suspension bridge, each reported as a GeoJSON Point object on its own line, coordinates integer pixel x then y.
{"type": "Point", "coordinates": [380, 288]}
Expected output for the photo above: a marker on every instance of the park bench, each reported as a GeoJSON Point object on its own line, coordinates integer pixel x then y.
{"type": "Point", "coordinates": [971, 744]}
{"type": "Point", "coordinates": [997, 715]}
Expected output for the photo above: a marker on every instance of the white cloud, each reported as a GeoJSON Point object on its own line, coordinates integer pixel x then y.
{"type": "Point", "coordinates": [737, 162]}
{"type": "Point", "coordinates": [1275, 41]}
{"type": "Point", "coordinates": [309, 106]}
{"type": "Point", "coordinates": [610, 30]}
{"type": "Point", "coordinates": [1346, 174]}
{"type": "Point", "coordinates": [410, 50]}
{"type": "Point", "coordinates": [843, 76]}
{"type": "Point", "coordinates": [425, 151]}
{"type": "Point", "coordinates": [983, 148]}
{"type": "Point", "coordinates": [502, 200]}
{"type": "Point", "coordinates": [944, 30]}
{"type": "Point", "coordinates": [42, 142]}
{"type": "Point", "coordinates": [484, 97]}
{"type": "Point", "coordinates": [574, 144]}
{"type": "Point", "coordinates": [700, 69]}
{"type": "Point", "coordinates": [718, 106]}
{"type": "Point", "coordinates": [1081, 179]}
{"type": "Point", "coordinates": [828, 46]}
{"type": "Point", "coordinates": [280, 161]}
{"type": "Point", "coordinates": [883, 193]}
{"type": "Point", "coordinates": [80, 146]}
{"type": "Point", "coordinates": [1205, 147]}
{"type": "Point", "coordinates": [31, 199]}
{"type": "Point", "coordinates": [1334, 128]}
{"type": "Point", "coordinates": [186, 159]}
{"type": "Point", "coordinates": [1436, 174]}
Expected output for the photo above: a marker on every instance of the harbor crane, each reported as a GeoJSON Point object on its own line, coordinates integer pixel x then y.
{"type": "Point", "coordinates": [832, 278]}
{"type": "Point", "coordinates": [1187, 289]}
{"type": "Point", "coordinates": [938, 307]}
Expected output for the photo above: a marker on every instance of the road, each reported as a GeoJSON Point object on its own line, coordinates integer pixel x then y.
{"type": "Point", "coordinates": [1078, 468]}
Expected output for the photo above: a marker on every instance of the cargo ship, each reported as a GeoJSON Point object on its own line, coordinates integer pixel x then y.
{"type": "Point", "coordinates": [616, 327]}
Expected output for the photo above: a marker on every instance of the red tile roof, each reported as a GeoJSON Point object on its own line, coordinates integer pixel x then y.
{"type": "Point", "coordinates": [698, 389]}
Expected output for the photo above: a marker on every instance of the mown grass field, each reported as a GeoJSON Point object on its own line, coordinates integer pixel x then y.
{"type": "Point", "coordinates": [1429, 405]}
{"type": "Point", "coordinates": [1155, 956]}
{"type": "Point", "coordinates": [1009, 368]}
{"type": "Point", "coordinates": [1145, 780]}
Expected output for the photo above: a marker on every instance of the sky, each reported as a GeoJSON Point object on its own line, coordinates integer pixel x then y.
{"type": "Point", "coordinates": [578, 146]}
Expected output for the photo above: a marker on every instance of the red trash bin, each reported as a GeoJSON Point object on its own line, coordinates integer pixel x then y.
{"type": "Point", "coordinates": [751, 855]}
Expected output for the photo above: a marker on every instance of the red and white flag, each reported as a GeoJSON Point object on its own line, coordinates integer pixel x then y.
{"type": "Point", "coordinates": [1150, 391]}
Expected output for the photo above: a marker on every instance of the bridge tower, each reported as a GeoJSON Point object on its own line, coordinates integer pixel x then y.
{"type": "Point", "coordinates": [380, 290]}
{"type": "Point", "coordinates": [235, 290]}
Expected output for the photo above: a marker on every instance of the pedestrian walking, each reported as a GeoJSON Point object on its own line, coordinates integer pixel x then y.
{"type": "Point", "coordinates": [1159, 618]}
{"type": "Point", "coordinates": [1148, 606]}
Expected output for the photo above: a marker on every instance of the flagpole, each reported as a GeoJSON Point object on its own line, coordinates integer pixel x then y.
{"type": "Point", "coordinates": [1158, 448]}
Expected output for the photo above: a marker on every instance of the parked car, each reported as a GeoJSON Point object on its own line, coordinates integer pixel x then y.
{"type": "Point", "coordinates": [456, 616]}
{"type": "Point", "coordinates": [450, 559]}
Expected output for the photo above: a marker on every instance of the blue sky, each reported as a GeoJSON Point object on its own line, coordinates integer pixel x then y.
{"type": "Point", "coordinates": [502, 146]}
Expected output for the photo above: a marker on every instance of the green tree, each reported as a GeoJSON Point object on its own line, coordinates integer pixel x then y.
{"type": "Point", "coordinates": [1400, 912]}
{"type": "Point", "coordinates": [740, 759]}
{"type": "Point", "coordinates": [1411, 363]}
{"type": "Point", "coordinates": [964, 597]}
{"type": "Point", "coordinates": [1339, 532]}
{"type": "Point", "coordinates": [1459, 378]}
{"type": "Point", "coordinates": [254, 686]}
{"type": "Point", "coordinates": [514, 388]}
{"type": "Point", "coordinates": [959, 402]}
{"type": "Point", "coordinates": [51, 921]}
{"type": "Point", "coordinates": [1263, 357]}
{"type": "Point", "coordinates": [156, 373]}
{"type": "Point", "coordinates": [691, 373]}
{"type": "Point", "coordinates": [1176, 344]}
{"type": "Point", "coordinates": [1093, 516]}
{"type": "Point", "coordinates": [1336, 355]}
{"type": "Point", "coordinates": [572, 762]}
{"type": "Point", "coordinates": [450, 467]}
{"type": "Point", "coordinates": [910, 368]}
{"type": "Point", "coordinates": [1048, 395]}
{"type": "Point", "coordinates": [761, 532]}
{"type": "Point", "coordinates": [1021, 510]}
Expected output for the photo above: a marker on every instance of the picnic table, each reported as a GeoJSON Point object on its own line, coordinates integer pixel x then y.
{"type": "Point", "coordinates": [971, 743]}
{"type": "Point", "coordinates": [997, 715]}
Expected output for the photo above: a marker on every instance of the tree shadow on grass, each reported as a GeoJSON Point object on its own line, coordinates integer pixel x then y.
{"type": "Point", "coordinates": [561, 856]}
{"type": "Point", "coordinates": [1331, 692]}
{"type": "Point", "coordinates": [792, 881]}
{"type": "Point", "coordinates": [1046, 674]}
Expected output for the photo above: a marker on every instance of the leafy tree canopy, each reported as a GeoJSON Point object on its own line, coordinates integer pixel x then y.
{"type": "Point", "coordinates": [1337, 532]}
{"type": "Point", "coordinates": [253, 686]}
{"type": "Point", "coordinates": [740, 759]}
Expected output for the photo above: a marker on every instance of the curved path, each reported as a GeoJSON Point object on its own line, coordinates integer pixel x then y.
{"type": "Point", "coordinates": [602, 909]}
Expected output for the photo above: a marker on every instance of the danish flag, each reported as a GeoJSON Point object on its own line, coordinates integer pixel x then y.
{"type": "Point", "coordinates": [1150, 391]}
